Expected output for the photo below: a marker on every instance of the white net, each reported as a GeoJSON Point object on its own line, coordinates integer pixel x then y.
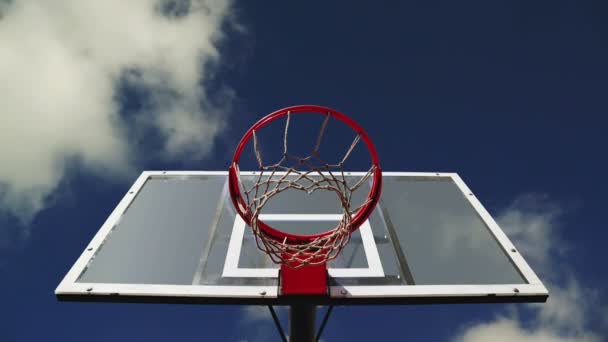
{"type": "Point", "coordinates": [307, 174]}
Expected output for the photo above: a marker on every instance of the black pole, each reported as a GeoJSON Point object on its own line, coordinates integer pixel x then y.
{"type": "Point", "coordinates": [302, 323]}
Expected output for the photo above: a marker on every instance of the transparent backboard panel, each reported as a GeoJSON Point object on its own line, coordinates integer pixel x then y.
{"type": "Point", "coordinates": [160, 237]}
{"type": "Point", "coordinates": [443, 239]}
{"type": "Point", "coordinates": [180, 229]}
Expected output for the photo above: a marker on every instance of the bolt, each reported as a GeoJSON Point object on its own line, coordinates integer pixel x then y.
{"type": "Point", "coordinates": [263, 293]}
{"type": "Point", "coordinates": [516, 290]}
{"type": "Point", "coordinates": [344, 292]}
{"type": "Point", "coordinates": [130, 192]}
{"type": "Point", "coordinates": [89, 289]}
{"type": "Point", "coordinates": [90, 249]}
{"type": "Point", "coordinates": [470, 194]}
{"type": "Point", "coordinates": [513, 250]}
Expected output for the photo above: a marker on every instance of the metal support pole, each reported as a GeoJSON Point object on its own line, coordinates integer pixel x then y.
{"type": "Point", "coordinates": [302, 323]}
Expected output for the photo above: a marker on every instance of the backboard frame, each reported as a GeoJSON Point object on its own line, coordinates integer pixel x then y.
{"type": "Point", "coordinates": [71, 290]}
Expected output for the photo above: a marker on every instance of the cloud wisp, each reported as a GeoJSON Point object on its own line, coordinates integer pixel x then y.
{"type": "Point", "coordinates": [257, 322]}
{"type": "Point", "coordinates": [61, 67]}
{"type": "Point", "coordinates": [532, 223]}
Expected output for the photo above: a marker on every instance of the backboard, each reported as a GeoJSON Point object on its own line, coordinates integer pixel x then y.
{"type": "Point", "coordinates": [175, 238]}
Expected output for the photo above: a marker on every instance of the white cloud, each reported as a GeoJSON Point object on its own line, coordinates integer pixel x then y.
{"type": "Point", "coordinates": [531, 222]}
{"type": "Point", "coordinates": [254, 313]}
{"type": "Point", "coordinates": [509, 330]}
{"type": "Point", "coordinates": [60, 65]}
{"type": "Point", "coordinates": [257, 323]}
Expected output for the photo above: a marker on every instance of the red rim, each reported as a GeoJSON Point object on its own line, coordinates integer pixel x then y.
{"type": "Point", "coordinates": [239, 203]}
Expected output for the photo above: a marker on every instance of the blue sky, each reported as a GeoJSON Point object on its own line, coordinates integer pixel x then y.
{"type": "Point", "coordinates": [509, 94]}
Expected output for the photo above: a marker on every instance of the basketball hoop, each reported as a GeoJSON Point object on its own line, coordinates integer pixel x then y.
{"type": "Point", "coordinates": [303, 256]}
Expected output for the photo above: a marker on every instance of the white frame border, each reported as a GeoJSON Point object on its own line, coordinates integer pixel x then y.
{"type": "Point", "coordinates": [232, 269]}
{"type": "Point", "coordinates": [70, 286]}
